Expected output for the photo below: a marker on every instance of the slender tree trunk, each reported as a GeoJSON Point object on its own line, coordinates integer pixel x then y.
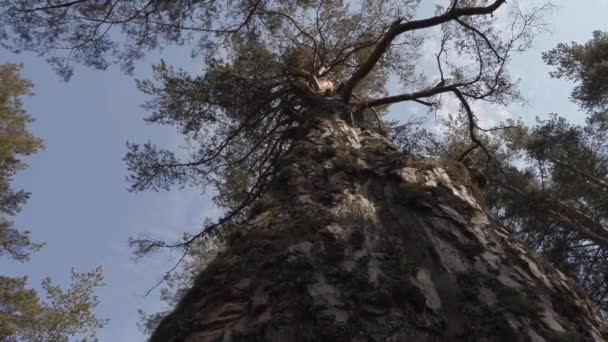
{"type": "Point", "coordinates": [358, 242]}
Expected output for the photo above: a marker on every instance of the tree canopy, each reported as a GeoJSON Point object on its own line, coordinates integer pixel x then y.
{"type": "Point", "coordinates": [64, 313]}
{"type": "Point", "coordinates": [267, 62]}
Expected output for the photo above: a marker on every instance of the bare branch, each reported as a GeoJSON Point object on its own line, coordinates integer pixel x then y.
{"type": "Point", "coordinates": [169, 272]}
{"type": "Point", "coordinates": [483, 36]}
{"type": "Point", "coordinates": [416, 96]}
{"type": "Point", "coordinates": [397, 28]}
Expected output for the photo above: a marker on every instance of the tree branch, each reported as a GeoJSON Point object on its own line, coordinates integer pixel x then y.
{"type": "Point", "coordinates": [398, 27]}
{"type": "Point", "coordinates": [416, 96]}
{"type": "Point", "coordinates": [570, 217]}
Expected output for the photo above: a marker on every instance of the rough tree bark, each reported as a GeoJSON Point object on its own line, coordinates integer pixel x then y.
{"type": "Point", "coordinates": [357, 242]}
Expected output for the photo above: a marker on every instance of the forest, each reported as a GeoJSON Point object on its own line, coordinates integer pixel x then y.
{"type": "Point", "coordinates": [303, 170]}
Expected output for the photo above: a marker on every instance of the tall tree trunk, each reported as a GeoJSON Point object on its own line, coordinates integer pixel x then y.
{"type": "Point", "coordinates": [358, 242]}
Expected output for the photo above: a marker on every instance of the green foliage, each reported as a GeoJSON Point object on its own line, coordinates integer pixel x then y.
{"type": "Point", "coordinates": [565, 178]}
{"type": "Point", "coordinates": [65, 312]}
{"type": "Point", "coordinates": [587, 65]}
{"type": "Point", "coordinates": [15, 141]}
{"type": "Point", "coordinates": [20, 306]}
{"type": "Point", "coordinates": [563, 188]}
{"type": "Point", "coordinates": [548, 183]}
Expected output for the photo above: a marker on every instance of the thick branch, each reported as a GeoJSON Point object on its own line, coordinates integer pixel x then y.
{"type": "Point", "coordinates": [471, 118]}
{"type": "Point", "coordinates": [398, 27]}
{"type": "Point", "coordinates": [416, 96]}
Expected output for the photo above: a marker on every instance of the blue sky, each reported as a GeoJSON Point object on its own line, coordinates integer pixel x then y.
{"type": "Point", "coordinates": [80, 205]}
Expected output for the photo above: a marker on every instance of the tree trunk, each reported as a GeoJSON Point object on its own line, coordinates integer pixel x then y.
{"type": "Point", "coordinates": [357, 242]}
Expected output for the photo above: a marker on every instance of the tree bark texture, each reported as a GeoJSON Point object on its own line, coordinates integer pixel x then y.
{"type": "Point", "coordinates": [355, 241]}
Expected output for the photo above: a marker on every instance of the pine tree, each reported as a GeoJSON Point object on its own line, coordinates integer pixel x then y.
{"type": "Point", "coordinates": [64, 313]}
{"type": "Point", "coordinates": [586, 65]}
{"type": "Point", "coordinates": [15, 141]}
{"type": "Point", "coordinates": [331, 232]}
{"type": "Point", "coordinates": [23, 316]}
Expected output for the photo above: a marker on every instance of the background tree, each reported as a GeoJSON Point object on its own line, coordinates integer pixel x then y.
{"type": "Point", "coordinates": [586, 65]}
{"type": "Point", "coordinates": [550, 188]}
{"type": "Point", "coordinates": [562, 199]}
{"type": "Point", "coordinates": [23, 316]}
{"type": "Point", "coordinates": [335, 234]}
{"type": "Point", "coordinates": [64, 313]}
{"type": "Point", "coordinates": [15, 141]}
{"type": "Point", "coordinates": [545, 183]}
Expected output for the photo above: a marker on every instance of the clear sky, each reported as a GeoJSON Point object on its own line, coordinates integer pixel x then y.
{"type": "Point", "coordinates": [80, 204]}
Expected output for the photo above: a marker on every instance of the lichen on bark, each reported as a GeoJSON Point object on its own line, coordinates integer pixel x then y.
{"type": "Point", "coordinates": [357, 242]}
